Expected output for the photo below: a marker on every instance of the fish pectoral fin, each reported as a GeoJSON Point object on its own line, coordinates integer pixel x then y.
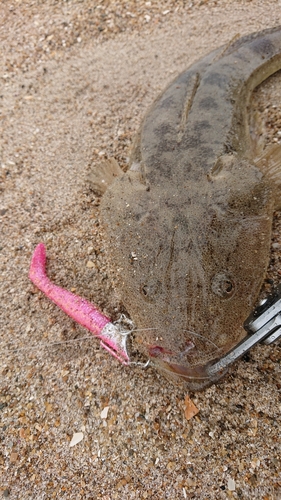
{"type": "Point", "coordinates": [102, 174]}
{"type": "Point", "coordinates": [269, 162]}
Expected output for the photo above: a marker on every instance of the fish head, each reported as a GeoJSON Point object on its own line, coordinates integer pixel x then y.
{"type": "Point", "coordinates": [190, 263]}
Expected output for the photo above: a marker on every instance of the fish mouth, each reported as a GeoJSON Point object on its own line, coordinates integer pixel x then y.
{"type": "Point", "coordinates": [178, 364]}
{"type": "Point", "coordinates": [197, 372]}
{"type": "Point", "coordinates": [196, 376]}
{"type": "Point", "coordinates": [189, 362]}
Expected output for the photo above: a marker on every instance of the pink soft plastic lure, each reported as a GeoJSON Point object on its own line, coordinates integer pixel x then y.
{"type": "Point", "coordinates": [79, 309]}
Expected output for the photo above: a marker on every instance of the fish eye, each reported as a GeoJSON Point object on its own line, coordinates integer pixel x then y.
{"type": "Point", "coordinates": [223, 285]}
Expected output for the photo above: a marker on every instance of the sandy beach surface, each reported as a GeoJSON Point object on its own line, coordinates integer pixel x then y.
{"type": "Point", "coordinates": [75, 81]}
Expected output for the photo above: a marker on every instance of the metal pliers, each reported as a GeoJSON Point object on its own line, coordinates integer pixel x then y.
{"type": "Point", "coordinates": [263, 325]}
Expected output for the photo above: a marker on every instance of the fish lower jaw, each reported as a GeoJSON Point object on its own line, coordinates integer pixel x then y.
{"type": "Point", "coordinates": [194, 377]}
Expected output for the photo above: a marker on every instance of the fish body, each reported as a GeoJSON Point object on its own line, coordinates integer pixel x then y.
{"type": "Point", "coordinates": [189, 224]}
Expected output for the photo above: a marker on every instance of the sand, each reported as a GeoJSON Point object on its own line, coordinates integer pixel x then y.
{"type": "Point", "coordinates": [76, 79]}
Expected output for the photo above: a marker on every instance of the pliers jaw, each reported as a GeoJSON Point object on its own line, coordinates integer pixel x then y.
{"type": "Point", "coordinates": [263, 326]}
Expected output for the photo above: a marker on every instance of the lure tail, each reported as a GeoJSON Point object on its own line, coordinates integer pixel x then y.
{"type": "Point", "coordinates": [79, 309]}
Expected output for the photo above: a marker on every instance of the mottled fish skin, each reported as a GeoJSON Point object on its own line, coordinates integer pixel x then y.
{"type": "Point", "coordinates": [189, 224]}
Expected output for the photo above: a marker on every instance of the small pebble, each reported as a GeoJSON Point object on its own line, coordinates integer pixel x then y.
{"type": "Point", "coordinates": [77, 437]}
{"type": "Point", "coordinates": [231, 484]}
{"type": "Point", "coordinates": [104, 412]}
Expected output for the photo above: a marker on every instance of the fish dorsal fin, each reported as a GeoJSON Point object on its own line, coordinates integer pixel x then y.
{"type": "Point", "coordinates": [269, 162]}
